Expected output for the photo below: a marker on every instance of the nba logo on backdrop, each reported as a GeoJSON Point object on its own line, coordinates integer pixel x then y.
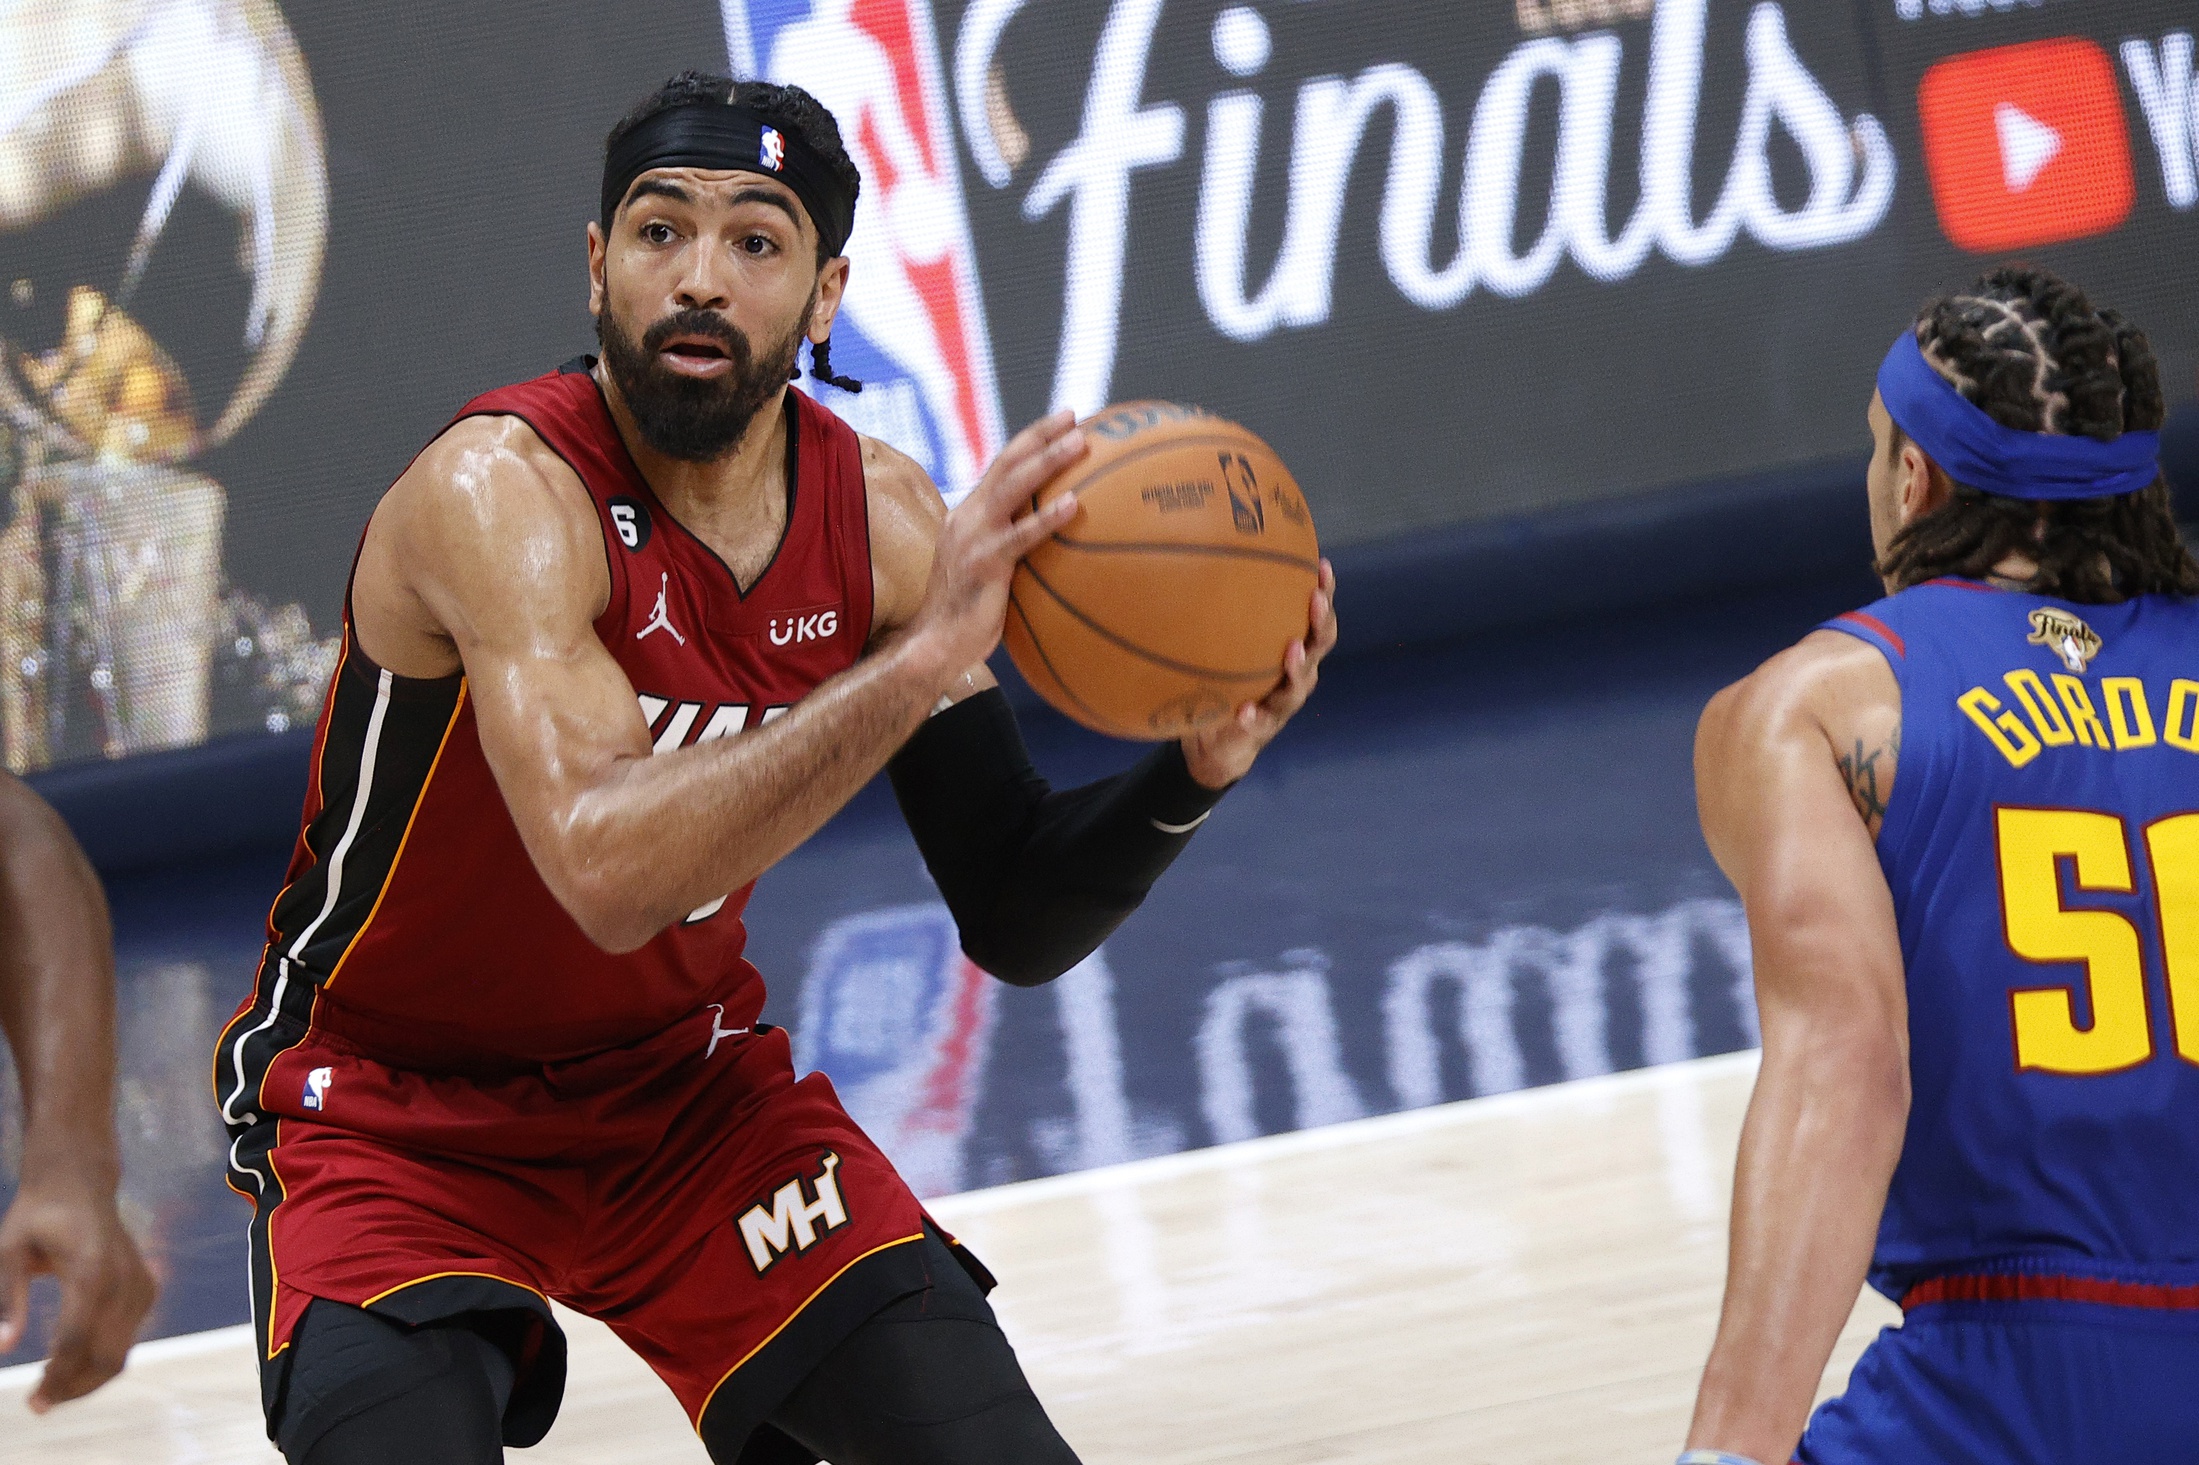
{"type": "Point", "coordinates": [912, 327]}
{"type": "Point", "coordinates": [900, 1020]}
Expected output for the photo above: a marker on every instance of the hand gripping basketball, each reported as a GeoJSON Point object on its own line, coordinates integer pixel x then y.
{"type": "Point", "coordinates": [1181, 600]}
{"type": "Point", "coordinates": [1220, 753]}
{"type": "Point", "coordinates": [985, 536]}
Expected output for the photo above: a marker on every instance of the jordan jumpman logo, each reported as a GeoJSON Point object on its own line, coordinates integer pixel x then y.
{"type": "Point", "coordinates": [718, 1031]}
{"type": "Point", "coordinates": [660, 619]}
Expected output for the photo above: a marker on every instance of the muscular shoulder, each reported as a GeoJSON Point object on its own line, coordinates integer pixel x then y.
{"type": "Point", "coordinates": [1825, 677]}
{"type": "Point", "coordinates": [1830, 700]}
{"type": "Point", "coordinates": [905, 514]}
{"type": "Point", "coordinates": [491, 473]}
{"type": "Point", "coordinates": [487, 513]}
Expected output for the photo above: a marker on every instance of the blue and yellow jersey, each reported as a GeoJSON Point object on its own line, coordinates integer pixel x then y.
{"type": "Point", "coordinates": [2042, 846]}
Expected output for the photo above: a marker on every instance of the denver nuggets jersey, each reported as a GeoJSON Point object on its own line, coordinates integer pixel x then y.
{"type": "Point", "coordinates": [2042, 846]}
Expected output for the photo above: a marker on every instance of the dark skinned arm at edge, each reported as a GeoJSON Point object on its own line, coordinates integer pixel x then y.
{"type": "Point", "coordinates": [57, 1008]}
{"type": "Point", "coordinates": [1037, 878]}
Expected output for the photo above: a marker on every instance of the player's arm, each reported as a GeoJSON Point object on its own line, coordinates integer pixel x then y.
{"type": "Point", "coordinates": [57, 1007]}
{"type": "Point", "coordinates": [1037, 877]}
{"type": "Point", "coordinates": [1775, 768]}
{"type": "Point", "coordinates": [490, 544]}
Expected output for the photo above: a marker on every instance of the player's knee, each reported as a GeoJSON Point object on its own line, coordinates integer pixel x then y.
{"type": "Point", "coordinates": [363, 1391]}
{"type": "Point", "coordinates": [930, 1380]}
{"type": "Point", "coordinates": [939, 1371]}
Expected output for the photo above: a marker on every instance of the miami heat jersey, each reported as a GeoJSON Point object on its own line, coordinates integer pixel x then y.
{"type": "Point", "coordinates": [414, 924]}
{"type": "Point", "coordinates": [2042, 846]}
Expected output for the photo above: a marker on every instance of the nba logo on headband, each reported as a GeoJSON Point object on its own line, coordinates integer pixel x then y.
{"type": "Point", "coordinates": [771, 149]}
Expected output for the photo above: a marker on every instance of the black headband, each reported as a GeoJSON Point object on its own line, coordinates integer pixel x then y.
{"type": "Point", "coordinates": [725, 135]}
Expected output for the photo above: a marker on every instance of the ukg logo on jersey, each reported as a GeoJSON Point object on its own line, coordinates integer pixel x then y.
{"type": "Point", "coordinates": [1439, 244]}
{"type": "Point", "coordinates": [912, 326]}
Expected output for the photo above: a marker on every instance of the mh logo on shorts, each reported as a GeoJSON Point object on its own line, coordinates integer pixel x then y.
{"type": "Point", "coordinates": [794, 1222]}
{"type": "Point", "coordinates": [912, 325]}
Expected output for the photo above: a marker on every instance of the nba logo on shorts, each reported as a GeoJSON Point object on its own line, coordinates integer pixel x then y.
{"type": "Point", "coordinates": [912, 327]}
{"type": "Point", "coordinates": [771, 149]}
{"type": "Point", "coordinates": [316, 1088]}
{"type": "Point", "coordinates": [899, 1019]}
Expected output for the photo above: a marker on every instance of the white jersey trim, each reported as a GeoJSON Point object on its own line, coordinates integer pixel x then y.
{"type": "Point", "coordinates": [334, 880]}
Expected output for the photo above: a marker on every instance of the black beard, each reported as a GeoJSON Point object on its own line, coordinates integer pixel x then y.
{"type": "Point", "coordinates": [694, 419]}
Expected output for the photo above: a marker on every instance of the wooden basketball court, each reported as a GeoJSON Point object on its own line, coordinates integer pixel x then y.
{"type": "Point", "coordinates": [1527, 1278]}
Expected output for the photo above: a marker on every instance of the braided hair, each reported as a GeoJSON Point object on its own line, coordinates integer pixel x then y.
{"type": "Point", "coordinates": [2028, 348]}
{"type": "Point", "coordinates": [820, 367]}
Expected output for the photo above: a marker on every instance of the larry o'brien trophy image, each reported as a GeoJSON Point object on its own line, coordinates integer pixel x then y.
{"type": "Point", "coordinates": [123, 124]}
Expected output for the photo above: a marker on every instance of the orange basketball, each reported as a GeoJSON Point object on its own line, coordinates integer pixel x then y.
{"type": "Point", "coordinates": [1172, 597]}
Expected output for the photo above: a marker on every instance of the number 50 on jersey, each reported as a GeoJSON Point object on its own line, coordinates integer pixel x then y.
{"type": "Point", "coordinates": [2031, 846]}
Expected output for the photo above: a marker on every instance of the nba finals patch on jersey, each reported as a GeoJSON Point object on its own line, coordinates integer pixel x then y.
{"type": "Point", "coordinates": [2066, 636]}
{"type": "Point", "coordinates": [912, 326]}
{"type": "Point", "coordinates": [2024, 714]}
{"type": "Point", "coordinates": [902, 1021]}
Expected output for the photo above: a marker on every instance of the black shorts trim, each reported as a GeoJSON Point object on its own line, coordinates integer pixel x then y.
{"type": "Point", "coordinates": [967, 1260]}
{"type": "Point", "coordinates": [539, 1352]}
{"type": "Point", "coordinates": [756, 1386]}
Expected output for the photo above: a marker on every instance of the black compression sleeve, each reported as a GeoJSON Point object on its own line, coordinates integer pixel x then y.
{"type": "Point", "coordinates": [1037, 878]}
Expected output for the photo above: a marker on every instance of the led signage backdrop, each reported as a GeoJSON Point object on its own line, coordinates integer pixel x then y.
{"type": "Point", "coordinates": [1455, 258]}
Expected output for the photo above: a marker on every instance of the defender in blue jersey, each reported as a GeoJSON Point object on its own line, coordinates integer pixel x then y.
{"type": "Point", "coordinates": [1965, 823]}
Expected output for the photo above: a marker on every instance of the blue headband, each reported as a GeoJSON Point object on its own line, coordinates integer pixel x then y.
{"type": "Point", "coordinates": [1980, 453]}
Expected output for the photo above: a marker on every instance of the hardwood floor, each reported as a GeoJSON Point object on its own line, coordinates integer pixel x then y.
{"type": "Point", "coordinates": [1527, 1278]}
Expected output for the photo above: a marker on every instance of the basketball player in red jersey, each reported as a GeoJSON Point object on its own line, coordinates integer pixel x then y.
{"type": "Point", "coordinates": [57, 1009]}
{"type": "Point", "coordinates": [619, 639]}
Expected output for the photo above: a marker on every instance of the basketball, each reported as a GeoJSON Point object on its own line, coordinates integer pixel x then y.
{"type": "Point", "coordinates": [1172, 597]}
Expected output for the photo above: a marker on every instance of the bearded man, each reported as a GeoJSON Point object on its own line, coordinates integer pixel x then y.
{"type": "Point", "coordinates": [503, 1046]}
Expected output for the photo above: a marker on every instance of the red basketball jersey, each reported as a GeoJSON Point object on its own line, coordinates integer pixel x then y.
{"type": "Point", "coordinates": [414, 924]}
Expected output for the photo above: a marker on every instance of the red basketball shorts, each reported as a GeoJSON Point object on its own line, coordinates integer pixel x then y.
{"type": "Point", "coordinates": [730, 1223]}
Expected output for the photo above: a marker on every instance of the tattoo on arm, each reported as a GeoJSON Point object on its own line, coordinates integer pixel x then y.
{"type": "Point", "coordinates": [1861, 771]}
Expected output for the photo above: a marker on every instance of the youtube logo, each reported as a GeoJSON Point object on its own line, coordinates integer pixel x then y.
{"type": "Point", "coordinates": [2026, 145]}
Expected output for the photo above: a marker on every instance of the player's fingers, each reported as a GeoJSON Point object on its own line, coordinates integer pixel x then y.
{"type": "Point", "coordinates": [1264, 718]}
{"type": "Point", "coordinates": [1026, 533]}
{"type": "Point", "coordinates": [78, 1364]}
{"type": "Point", "coordinates": [1321, 639]}
{"type": "Point", "coordinates": [1035, 436]}
{"type": "Point", "coordinates": [1007, 481]}
{"type": "Point", "coordinates": [1300, 672]}
{"type": "Point", "coordinates": [1023, 480]}
{"type": "Point", "coordinates": [1323, 612]}
{"type": "Point", "coordinates": [101, 1308]}
{"type": "Point", "coordinates": [1301, 669]}
{"type": "Point", "coordinates": [1257, 721]}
